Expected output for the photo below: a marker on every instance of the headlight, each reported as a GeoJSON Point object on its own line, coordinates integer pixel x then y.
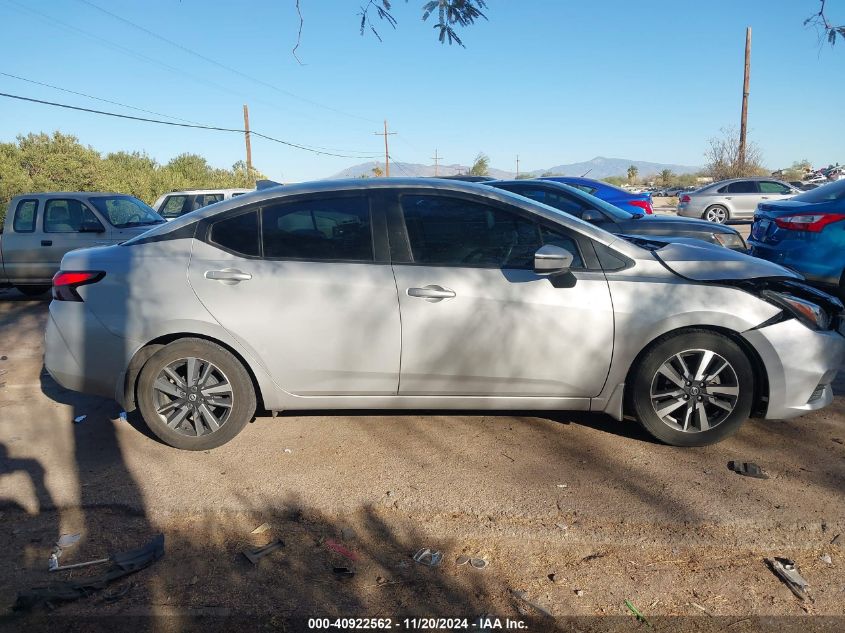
{"type": "Point", "coordinates": [810, 314]}
{"type": "Point", "coordinates": [730, 240]}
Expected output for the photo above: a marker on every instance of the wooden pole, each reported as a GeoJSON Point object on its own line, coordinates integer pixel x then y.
{"type": "Point", "coordinates": [743, 125]}
{"type": "Point", "coordinates": [246, 136]}
{"type": "Point", "coordinates": [436, 160]}
{"type": "Point", "coordinates": [385, 134]}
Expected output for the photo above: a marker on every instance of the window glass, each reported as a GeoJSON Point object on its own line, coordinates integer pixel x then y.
{"type": "Point", "coordinates": [557, 238]}
{"type": "Point", "coordinates": [742, 186]}
{"type": "Point", "coordinates": [25, 216]}
{"type": "Point", "coordinates": [826, 193]}
{"type": "Point", "coordinates": [458, 232]}
{"type": "Point", "coordinates": [172, 207]}
{"type": "Point", "coordinates": [70, 216]}
{"type": "Point", "coordinates": [331, 229]}
{"type": "Point", "coordinates": [125, 211]}
{"type": "Point", "coordinates": [238, 234]}
{"type": "Point", "coordinates": [584, 188]}
{"type": "Point", "coordinates": [767, 186]}
{"type": "Point", "coordinates": [205, 199]}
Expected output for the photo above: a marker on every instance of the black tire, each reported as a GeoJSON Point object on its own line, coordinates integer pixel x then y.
{"type": "Point", "coordinates": [32, 291]}
{"type": "Point", "coordinates": [717, 213]}
{"type": "Point", "coordinates": [690, 345]}
{"type": "Point", "coordinates": [192, 432]}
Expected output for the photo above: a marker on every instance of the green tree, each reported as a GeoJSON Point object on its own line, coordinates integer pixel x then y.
{"type": "Point", "coordinates": [377, 172]}
{"type": "Point", "coordinates": [666, 177]}
{"type": "Point", "coordinates": [450, 14]}
{"type": "Point", "coordinates": [480, 166]}
{"type": "Point", "coordinates": [632, 174]}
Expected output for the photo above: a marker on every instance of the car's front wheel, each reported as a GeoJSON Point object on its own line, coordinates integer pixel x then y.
{"type": "Point", "coordinates": [195, 395]}
{"type": "Point", "coordinates": [693, 388]}
{"type": "Point", "coordinates": [717, 213]}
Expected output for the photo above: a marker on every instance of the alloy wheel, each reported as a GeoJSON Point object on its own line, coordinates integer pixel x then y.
{"type": "Point", "coordinates": [694, 391]}
{"type": "Point", "coordinates": [193, 396]}
{"type": "Point", "coordinates": [716, 214]}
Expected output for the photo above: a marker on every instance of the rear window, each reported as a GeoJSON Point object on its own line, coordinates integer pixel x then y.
{"type": "Point", "coordinates": [826, 193]}
{"type": "Point", "coordinates": [24, 221]}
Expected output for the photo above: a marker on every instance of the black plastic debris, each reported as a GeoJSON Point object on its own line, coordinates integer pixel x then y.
{"type": "Point", "coordinates": [123, 564]}
{"type": "Point", "coordinates": [749, 469]}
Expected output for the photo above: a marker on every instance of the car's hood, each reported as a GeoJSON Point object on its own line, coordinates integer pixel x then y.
{"type": "Point", "coordinates": [701, 261]}
{"type": "Point", "coordinates": [669, 221]}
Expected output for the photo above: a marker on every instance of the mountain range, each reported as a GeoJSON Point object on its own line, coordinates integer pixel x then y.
{"type": "Point", "coordinates": [599, 167]}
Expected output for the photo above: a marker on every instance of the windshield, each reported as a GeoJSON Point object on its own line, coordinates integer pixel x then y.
{"type": "Point", "coordinates": [826, 193]}
{"type": "Point", "coordinates": [126, 211]}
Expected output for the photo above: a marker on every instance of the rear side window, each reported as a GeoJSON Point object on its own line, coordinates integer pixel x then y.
{"type": "Point", "coordinates": [332, 229]}
{"type": "Point", "coordinates": [173, 206]}
{"type": "Point", "coordinates": [584, 188]}
{"type": "Point", "coordinates": [742, 186]}
{"type": "Point", "coordinates": [238, 234]}
{"type": "Point", "coordinates": [205, 199]}
{"type": "Point", "coordinates": [70, 216]}
{"type": "Point", "coordinates": [24, 221]}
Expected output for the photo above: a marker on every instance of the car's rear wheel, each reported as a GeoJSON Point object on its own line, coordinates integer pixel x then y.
{"type": "Point", "coordinates": [692, 389]}
{"type": "Point", "coordinates": [32, 291]}
{"type": "Point", "coordinates": [717, 213]}
{"type": "Point", "coordinates": [195, 395]}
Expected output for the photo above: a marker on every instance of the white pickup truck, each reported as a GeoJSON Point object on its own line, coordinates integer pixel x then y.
{"type": "Point", "coordinates": [41, 227]}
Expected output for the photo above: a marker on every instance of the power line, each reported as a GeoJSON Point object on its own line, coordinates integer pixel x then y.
{"type": "Point", "coordinates": [399, 165]}
{"type": "Point", "coordinates": [173, 123]}
{"type": "Point", "coordinates": [82, 94]}
{"type": "Point", "coordinates": [220, 64]}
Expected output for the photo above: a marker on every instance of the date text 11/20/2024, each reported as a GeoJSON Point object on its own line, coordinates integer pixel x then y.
{"type": "Point", "coordinates": [484, 623]}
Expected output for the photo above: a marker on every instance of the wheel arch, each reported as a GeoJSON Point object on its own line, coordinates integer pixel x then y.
{"type": "Point", "coordinates": [724, 205]}
{"type": "Point", "coordinates": [140, 358]}
{"type": "Point", "coordinates": [761, 377]}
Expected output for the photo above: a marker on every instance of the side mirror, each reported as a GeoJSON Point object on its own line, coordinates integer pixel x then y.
{"type": "Point", "coordinates": [591, 215]}
{"type": "Point", "coordinates": [552, 260]}
{"type": "Point", "coordinates": [91, 227]}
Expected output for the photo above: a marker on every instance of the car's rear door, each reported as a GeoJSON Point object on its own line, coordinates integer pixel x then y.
{"type": "Point", "coordinates": [476, 319]}
{"type": "Point", "coordinates": [305, 284]}
{"type": "Point", "coordinates": [743, 197]}
{"type": "Point", "coordinates": [21, 243]}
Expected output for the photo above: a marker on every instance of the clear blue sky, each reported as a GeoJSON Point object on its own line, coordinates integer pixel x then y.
{"type": "Point", "coordinates": [555, 81]}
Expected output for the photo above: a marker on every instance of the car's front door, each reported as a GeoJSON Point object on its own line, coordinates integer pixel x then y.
{"type": "Point", "coordinates": [306, 286]}
{"type": "Point", "coordinates": [773, 190]}
{"type": "Point", "coordinates": [68, 224]}
{"type": "Point", "coordinates": [477, 320]}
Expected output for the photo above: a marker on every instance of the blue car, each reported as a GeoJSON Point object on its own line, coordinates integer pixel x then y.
{"type": "Point", "coordinates": [805, 233]}
{"type": "Point", "coordinates": [632, 202]}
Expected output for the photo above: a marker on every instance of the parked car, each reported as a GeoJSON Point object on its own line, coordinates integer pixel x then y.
{"type": "Point", "coordinates": [734, 199]}
{"type": "Point", "coordinates": [467, 178]}
{"type": "Point", "coordinates": [429, 294]}
{"type": "Point", "coordinates": [582, 205]}
{"type": "Point", "coordinates": [172, 205]}
{"type": "Point", "coordinates": [803, 186]}
{"type": "Point", "coordinates": [41, 227]}
{"type": "Point", "coordinates": [805, 233]}
{"type": "Point", "coordinates": [618, 197]}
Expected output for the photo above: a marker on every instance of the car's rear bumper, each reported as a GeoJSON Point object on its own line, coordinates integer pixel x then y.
{"type": "Point", "coordinates": [801, 365]}
{"type": "Point", "coordinates": [79, 353]}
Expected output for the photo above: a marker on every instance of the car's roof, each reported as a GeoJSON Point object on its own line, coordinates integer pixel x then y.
{"type": "Point", "coordinates": [192, 192]}
{"type": "Point", "coordinates": [69, 194]}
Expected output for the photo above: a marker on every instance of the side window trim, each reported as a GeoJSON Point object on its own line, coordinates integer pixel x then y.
{"type": "Point", "coordinates": [34, 215]}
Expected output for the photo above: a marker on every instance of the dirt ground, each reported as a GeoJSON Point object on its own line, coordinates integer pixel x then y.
{"type": "Point", "coordinates": [579, 512]}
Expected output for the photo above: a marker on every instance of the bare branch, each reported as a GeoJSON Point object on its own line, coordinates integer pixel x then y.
{"type": "Point", "coordinates": [825, 27]}
{"type": "Point", "coordinates": [298, 35]}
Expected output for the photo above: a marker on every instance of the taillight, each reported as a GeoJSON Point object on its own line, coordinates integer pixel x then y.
{"type": "Point", "coordinates": [645, 205]}
{"type": "Point", "coordinates": [685, 198]}
{"type": "Point", "coordinates": [813, 222]}
{"type": "Point", "coordinates": [65, 283]}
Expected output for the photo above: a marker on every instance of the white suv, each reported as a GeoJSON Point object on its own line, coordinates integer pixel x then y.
{"type": "Point", "coordinates": [172, 205]}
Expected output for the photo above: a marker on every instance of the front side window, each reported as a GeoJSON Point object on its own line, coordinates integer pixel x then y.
{"type": "Point", "coordinates": [205, 199]}
{"type": "Point", "coordinates": [238, 234]}
{"type": "Point", "coordinates": [332, 229]}
{"type": "Point", "coordinates": [173, 206]}
{"type": "Point", "coordinates": [125, 211]}
{"type": "Point", "coordinates": [742, 186]}
{"type": "Point", "coordinates": [767, 186]}
{"type": "Point", "coordinates": [70, 216]}
{"type": "Point", "coordinates": [24, 221]}
{"type": "Point", "coordinates": [556, 238]}
{"type": "Point", "coordinates": [457, 232]}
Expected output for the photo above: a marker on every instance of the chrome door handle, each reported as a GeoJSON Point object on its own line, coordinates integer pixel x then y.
{"type": "Point", "coordinates": [431, 293]}
{"type": "Point", "coordinates": [228, 275]}
{"type": "Point", "coordinates": [764, 197]}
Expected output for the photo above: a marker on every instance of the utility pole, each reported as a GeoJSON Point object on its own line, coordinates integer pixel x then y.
{"type": "Point", "coordinates": [436, 158]}
{"type": "Point", "coordinates": [248, 146]}
{"type": "Point", "coordinates": [743, 126]}
{"type": "Point", "coordinates": [385, 134]}
{"type": "Point", "coordinates": [517, 165]}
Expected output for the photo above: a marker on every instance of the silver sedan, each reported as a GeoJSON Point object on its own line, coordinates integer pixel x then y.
{"type": "Point", "coordinates": [433, 294]}
{"type": "Point", "coordinates": [735, 199]}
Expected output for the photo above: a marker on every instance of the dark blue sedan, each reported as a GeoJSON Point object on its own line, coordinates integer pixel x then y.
{"type": "Point", "coordinates": [805, 233]}
{"type": "Point", "coordinates": [618, 197]}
